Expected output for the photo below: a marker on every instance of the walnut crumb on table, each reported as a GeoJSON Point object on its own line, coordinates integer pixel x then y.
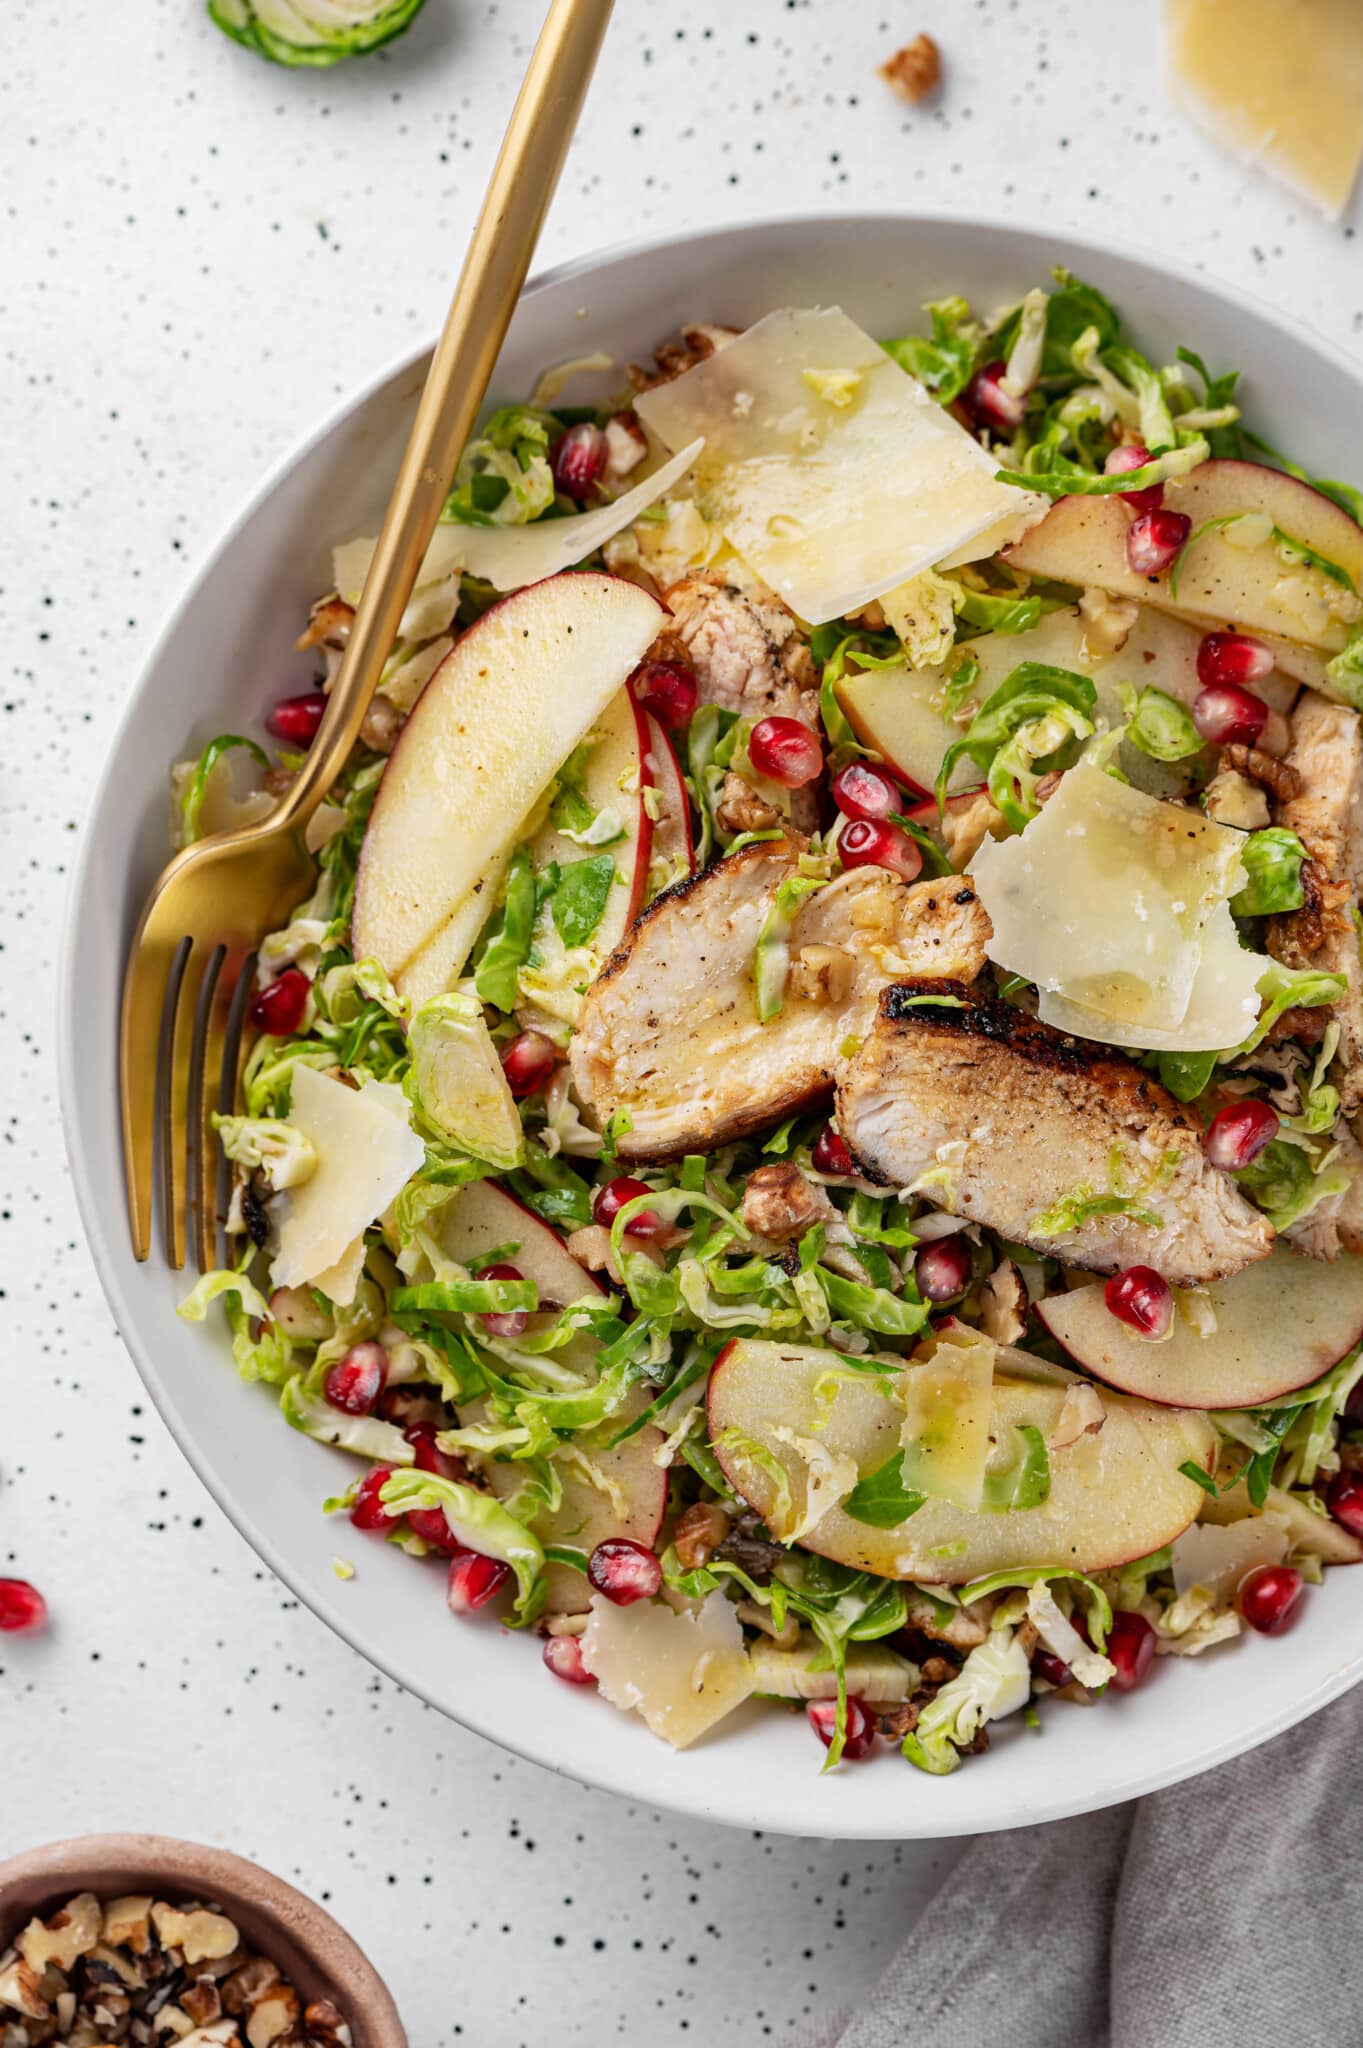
{"type": "Point", "coordinates": [915, 71]}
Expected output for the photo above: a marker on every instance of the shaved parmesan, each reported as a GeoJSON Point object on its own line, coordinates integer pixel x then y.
{"type": "Point", "coordinates": [339, 1280]}
{"type": "Point", "coordinates": [509, 557]}
{"type": "Point", "coordinates": [948, 1419]}
{"type": "Point", "coordinates": [366, 1152]}
{"type": "Point", "coordinates": [1218, 1557]}
{"type": "Point", "coordinates": [1222, 1006]}
{"type": "Point", "coordinates": [1104, 898]}
{"type": "Point", "coordinates": [681, 1672]}
{"type": "Point", "coordinates": [830, 470]}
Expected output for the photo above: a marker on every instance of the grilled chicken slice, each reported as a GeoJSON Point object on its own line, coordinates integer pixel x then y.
{"type": "Point", "coordinates": [669, 1031]}
{"type": "Point", "coordinates": [1008, 1119]}
{"type": "Point", "coordinates": [1326, 813]}
{"type": "Point", "coordinates": [747, 651]}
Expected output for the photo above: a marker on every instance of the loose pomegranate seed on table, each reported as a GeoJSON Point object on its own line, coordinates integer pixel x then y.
{"type": "Point", "coordinates": [473, 1581]}
{"type": "Point", "coordinates": [367, 1511]}
{"type": "Point", "coordinates": [875, 843]}
{"type": "Point", "coordinates": [987, 402]}
{"type": "Point", "coordinates": [1238, 1133]}
{"type": "Point", "coordinates": [22, 1607]}
{"type": "Point", "coordinates": [295, 719]}
{"type": "Point", "coordinates": [1268, 1597]}
{"type": "Point", "coordinates": [563, 1656]}
{"type": "Point", "coordinates": [669, 690]}
{"type": "Point", "coordinates": [1134, 456]}
{"type": "Point", "coordinates": [1344, 1498]}
{"type": "Point", "coordinates": [831, 1153]}
{"type": "Point", "coordinates": [1130, 1649]}
{"type": "Point", "coordinates": [1226, 715]}
{"type": "Point", "coordinates": [860, 1736]}
{"type": "Point", "coordinates": [861, 791]}
{"type": "Point", "coordinates": [1154, 539]}
{"type": "Point", "coordinates": [625, 1571]}
{"type": "Point", "coordinates": [608, 1201]}
{"type": "Point", "coordinates": [1232, 658]}
{"type": "Point", "coordinates": [527, 1061]}
{"type": "Point", "coordinates": [578, 460]}
{"type": "Point", "coordinates": [942, 1269]}
{"type": "Point", "coordinates": [785, 750]}
{"type": "Point", "coordinates": [278, 1009]}
{"type": "Point", "coordinates": [508, 1322]}
{"type": "Point", "coordinates": [355, 1382]}
{"type": "Point", "coordinates": [1141, 1299]}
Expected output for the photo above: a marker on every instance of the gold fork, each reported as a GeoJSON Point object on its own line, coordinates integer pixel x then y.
{"type": "Point", "coordinates": [192, 963]}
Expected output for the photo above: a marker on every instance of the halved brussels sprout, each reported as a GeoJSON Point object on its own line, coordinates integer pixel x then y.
{"type": "Point", "coordinates": [316, 32]}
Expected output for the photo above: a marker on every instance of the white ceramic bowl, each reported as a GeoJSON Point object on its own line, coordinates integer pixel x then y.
{"type": "Point", "coordinates": [226, 653]}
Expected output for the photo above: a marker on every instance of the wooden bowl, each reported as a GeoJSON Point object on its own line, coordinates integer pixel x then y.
{"type": "Point", "coordinates": [316, 1955]}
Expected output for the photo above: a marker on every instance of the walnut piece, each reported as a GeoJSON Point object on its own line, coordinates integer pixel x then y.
{"type": "Point", "coordinates": [1280, 779]}
{"type": "Point", "coordinates": [822, 974]}
{"type": "Point", "coordinates": [741, 809]}
{"type": "Point", "coordinates": [915, 71]}
{"type": "Point", "coordinates": [127, 1923]}
{"type": "Point", "coordinates": [56, 1943]}
{"type": "Point", "coordinates": [202, 1937]}
{"type": "Point", "coordinates": [698, 1534]}
{"type": "Point", "coordinates": [779, 1203]}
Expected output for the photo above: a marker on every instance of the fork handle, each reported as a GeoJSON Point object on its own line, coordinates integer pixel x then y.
{"type": "Point", "coordinates": [522, 185]}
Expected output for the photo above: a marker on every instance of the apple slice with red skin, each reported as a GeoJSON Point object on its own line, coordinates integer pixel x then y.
{"type": "Point", "coordinates": [506, 707]}
{"type": "Point", "coordinates": [1115, 1495]}
{"type": "Point", "coordinates": [673, 840]}
{"type": "Point", "coordinates": [1083, 540]}
{"type": "Point", "coordinates": [484, 1218]}
{"type": "Point", "coordinates": [1280, 1324]}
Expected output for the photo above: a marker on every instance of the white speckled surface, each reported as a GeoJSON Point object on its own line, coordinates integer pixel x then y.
{"type": "Point", "coordinates": [200, 252]}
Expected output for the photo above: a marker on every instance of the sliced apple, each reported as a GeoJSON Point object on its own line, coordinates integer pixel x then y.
{"type": "Point", "coordinates": [1114, 1495]}
{"type": "Point", "coordinates": [1280, 1324]}
{"type": "Point", "coordinates": [1309, 1533]}
{"type": "Point", "coordinates": [1083, 540]}
{"type": "Point", "coordinates": [506, 707]}
{"type": "Point", "coordinates": [674, 846]}
{"type": "Point", "coordinates": [620, 1492]}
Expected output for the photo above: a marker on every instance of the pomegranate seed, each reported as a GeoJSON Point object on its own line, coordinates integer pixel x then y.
{"type": "Point", "coordinates": [579, 460]}
{"type": "Point", "coordinates": [786, 751]}
{"type": "Point", "coordinates": [860, 791]}
{"type": "Point", "coordinates": [1134, 456]}
{"type": "Point", "coordinates": [474, 1580]}
{"type": "Point", "coordinates": [832, 1153]}
{"type": "Point", "coordinates": [367, 1511]}
{"type": "Point", "coordinates": [608, 1201]}
{"type": "Point", "coordinates": [988, 404]}
{"type": "Point", "coordinates": [1154, 539]}
{"type": "Point", "coordinates": [1232, 658]}
{"type": "Point", "coordinates": [860, 1737]}
{"type": "Point", "coordinates": [874, 843]}
{"type": "Point", "coordinates": [355, 1382]}
{"type": "Point", "coordinates": [295, 719]}
{"type": "Point", "coordinates": [21, 1607]}
{"type": "Point", "coordinates": [625, 1571]}
{"type": "Point", "coordinates": [1140, 1299]}
{"type": "Point", "coordinates": [1238, 1133]}
{"type": "Point", "coordinates": [527, 1062]}
{"type": "Point", "coordinates": [1268, 1597]}
{"type": "Point", "coordinates": [1353, 1407]}
{"type": "Point", "coordinates": [563, 1655]}
{"type": "Point", "coordinates": [1045, 1664]}
{"type": "Point", "coordinates": [1227, 715]}
{"type": "Point", "coordinates": [510, 1322]}
{"type": "Point", "coordinates": [1131, 1648]}
{"type": "Point", "coordinates": [427, 1455]}
{"type": "Point", "coordinates": [669, 690]}
{"type": "Point", "coordinates": [1345, 1501]}
{"type": "Point", "coordinates": [943, 1268]}
{"type": "Point", "coordinates": [279, 1008]}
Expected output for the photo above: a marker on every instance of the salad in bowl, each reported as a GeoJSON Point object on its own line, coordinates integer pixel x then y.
{"type": "Point", "coordinates": [804, 1137]}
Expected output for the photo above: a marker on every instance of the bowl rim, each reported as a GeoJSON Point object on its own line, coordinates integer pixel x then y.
{"type": "Point", "coordinates": [681, 1796]}
{"type": "Point", "coordinates": [203, 1869]}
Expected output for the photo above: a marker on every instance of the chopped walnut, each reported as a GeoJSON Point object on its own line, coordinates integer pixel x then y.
{"type": "Point", "coordinates": [1279, 778]}
{"type": "Point", "coordinates": [699, 1533]}
{"type": "Point", "coordinates": [915, 71]}
{"type": "Point", "coordinates": [1003, 1304]}
{"type": "Point", "coordinates": [822, 974]}
{"type": "Point", "coordinates": [964, 1628]}
{"type": "Point", "coordinates": [779, 1203]}
{"type": "Point", "coordinates": [741, 809]}
{"type": "Point", "coordinates": [697, 345]}
{"type": "Point", "coordinates": [329, 624]}
{"type": "Point", "coordinates": [966, 827]}
{"type": "Point", "coordinates": [58, 1943]}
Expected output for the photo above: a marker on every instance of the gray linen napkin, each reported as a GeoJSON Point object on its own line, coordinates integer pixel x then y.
{"type": "Point", "coordinates": [1221, 1912]}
